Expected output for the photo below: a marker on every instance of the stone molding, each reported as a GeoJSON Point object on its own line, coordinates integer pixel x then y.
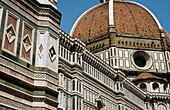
{"type": "Point", "coordinates": [35, 19]}
{"type": "Point", "coordinates": [13, 103]}
{"type": "Point", "coordinates": [28, 72]}
{"type": "Point", "coordinates": [17, 105]}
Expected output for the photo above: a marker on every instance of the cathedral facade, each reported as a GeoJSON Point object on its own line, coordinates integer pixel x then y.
{"type": "Point", "coordinates": [116, 57]}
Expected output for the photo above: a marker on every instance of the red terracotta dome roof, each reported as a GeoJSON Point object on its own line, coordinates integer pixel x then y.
{"type": "Point", "coordinates": [146, 76]}
{"type": "Point", "coordinates": [129, 18]}
{"type": "Point", "coordinates": [94, 23]}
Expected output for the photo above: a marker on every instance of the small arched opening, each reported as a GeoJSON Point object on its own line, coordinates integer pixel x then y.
{"type": "Point", "coordinates": [99, 105]}
{"type": "Point", "coordinates": [161, 107]}
{"type": "Point", "coordinates": [143, 87]}
{"type": "Point", "coordinates": [155, 87]}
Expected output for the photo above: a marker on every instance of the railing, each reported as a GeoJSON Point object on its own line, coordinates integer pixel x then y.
{"type": "Point", "coordinates": [158, 94]}
{"type": "Point", "coordinates": [96, 74]}
{"type": "Point", "coordinates": [71, 57]}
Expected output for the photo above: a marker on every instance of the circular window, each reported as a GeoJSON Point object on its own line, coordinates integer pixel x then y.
{"type": "Point", "coordinates": [141, 60]}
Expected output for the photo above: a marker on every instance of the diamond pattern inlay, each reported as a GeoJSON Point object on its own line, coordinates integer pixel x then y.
{"type": "Point", "coordinates": [27, 43]}
{"type": "Point", "coordinates": [10, 32]}
{"type": "Point", "coordinates": [52, 53]}
{"type": "Point", "coordinates": [40, 50]}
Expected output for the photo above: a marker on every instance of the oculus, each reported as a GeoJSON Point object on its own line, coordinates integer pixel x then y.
{"type": "Point", "coordinates": [27, 43]}
{"type": "Point", "coordinates": [10, 33]}
{"type": "Point", "coordinates": [52, 53]}
{"type": "Point", "coordinates": [141, 60]}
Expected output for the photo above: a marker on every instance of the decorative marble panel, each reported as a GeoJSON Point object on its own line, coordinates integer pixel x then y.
{"type": "Point", "coordinates": [161, 56]}
{"type": "Point", "coordinates": [52, 53]}
{"type": "Point", "coordinates": [121, 63]}
{"type": "Point", "coordinates": [53, 46]}
{"type": "Point", "coordinates": [107, 55]}
{"type": "Point", "coordinates": [162, 66]}
{"type": "Point", "coordinates": [10, 33]}
{"type": "Point", "coordinates": [155, 56]}
{"type": "Point", "coordinates": [120, 53]}
{"type": "Point", "coordinates": [27, 43]}
{"type": "Point", "coordinates": [157, 65]}
{"type": "Point", "coordinates": [126, 54]}
{"type": "Point", "coordinates": [42, 48]}
{"type": "Point", "coordinates": [10, 36]}
{"type": "Point", "coordinates": [127, 63]}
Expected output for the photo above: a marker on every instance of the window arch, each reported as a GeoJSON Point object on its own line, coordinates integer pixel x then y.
{"type": "Point", "coordinates": [143, 87]}
{"type": "Point", "coordinates": [161, 107]}
{"type": "Point", "coordinates": [99, 105]}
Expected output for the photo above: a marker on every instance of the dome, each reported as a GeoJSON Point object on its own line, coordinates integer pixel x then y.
{"type": "Point", "coordinates": [146, 76]}
{"type": "Point", "coordinates": [128, 17]}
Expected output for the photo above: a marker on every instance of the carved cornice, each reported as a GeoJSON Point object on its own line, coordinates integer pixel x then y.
{"type": "Point", "coordinates": [94, 40]}
{"type": "Point", "coordinates": [138, 36]}
{"type": "Point", "coordinates": [42, 9]}
{"type": "Point", "coordinates": [134, 89]}
{"type": "Point", "coordinates": [6, 62]}
{"type": "Point", "coordinates": [34, 15]}
{"type": "Point", "coordinates": [28, 76]}
{"type": "Point", "coordinates": [18, 105]}
{"type": "Point", "coordinates": [65, 69]}
{"type": "Point", "coordinates": [73, 44]}
{"type": "Point", "coordinates": [99, 64]}
{"type": "Point", "coordinates": [158, 96]}
{"type": "Point", "coordinates": [13, 103]}
{"type": "Point", "coordinates": [28, 97]}
{"type": "Point", "coordinates": [15, 92]}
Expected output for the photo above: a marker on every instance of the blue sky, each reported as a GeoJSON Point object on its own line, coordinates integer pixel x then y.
{"type": "Point", "coordinates": [72, 9]}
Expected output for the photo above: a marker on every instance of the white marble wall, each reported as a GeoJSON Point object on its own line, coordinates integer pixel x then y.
{"type": "Point", "coordinates": [122, 59]}
{"type": "Point", "coordinates": [167, 54]}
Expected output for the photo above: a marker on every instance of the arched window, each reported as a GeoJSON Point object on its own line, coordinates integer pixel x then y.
{"type": "Point", "coordinates": [143, 87]}
{"type": "Point", "coordinates": [119, 107]}
{"type": "Point", "coordinates": [99, 105]}
{"type": "Point", "coordinates": [161, 107]}
{"type": "Point", "coordinates": [155, 87]}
